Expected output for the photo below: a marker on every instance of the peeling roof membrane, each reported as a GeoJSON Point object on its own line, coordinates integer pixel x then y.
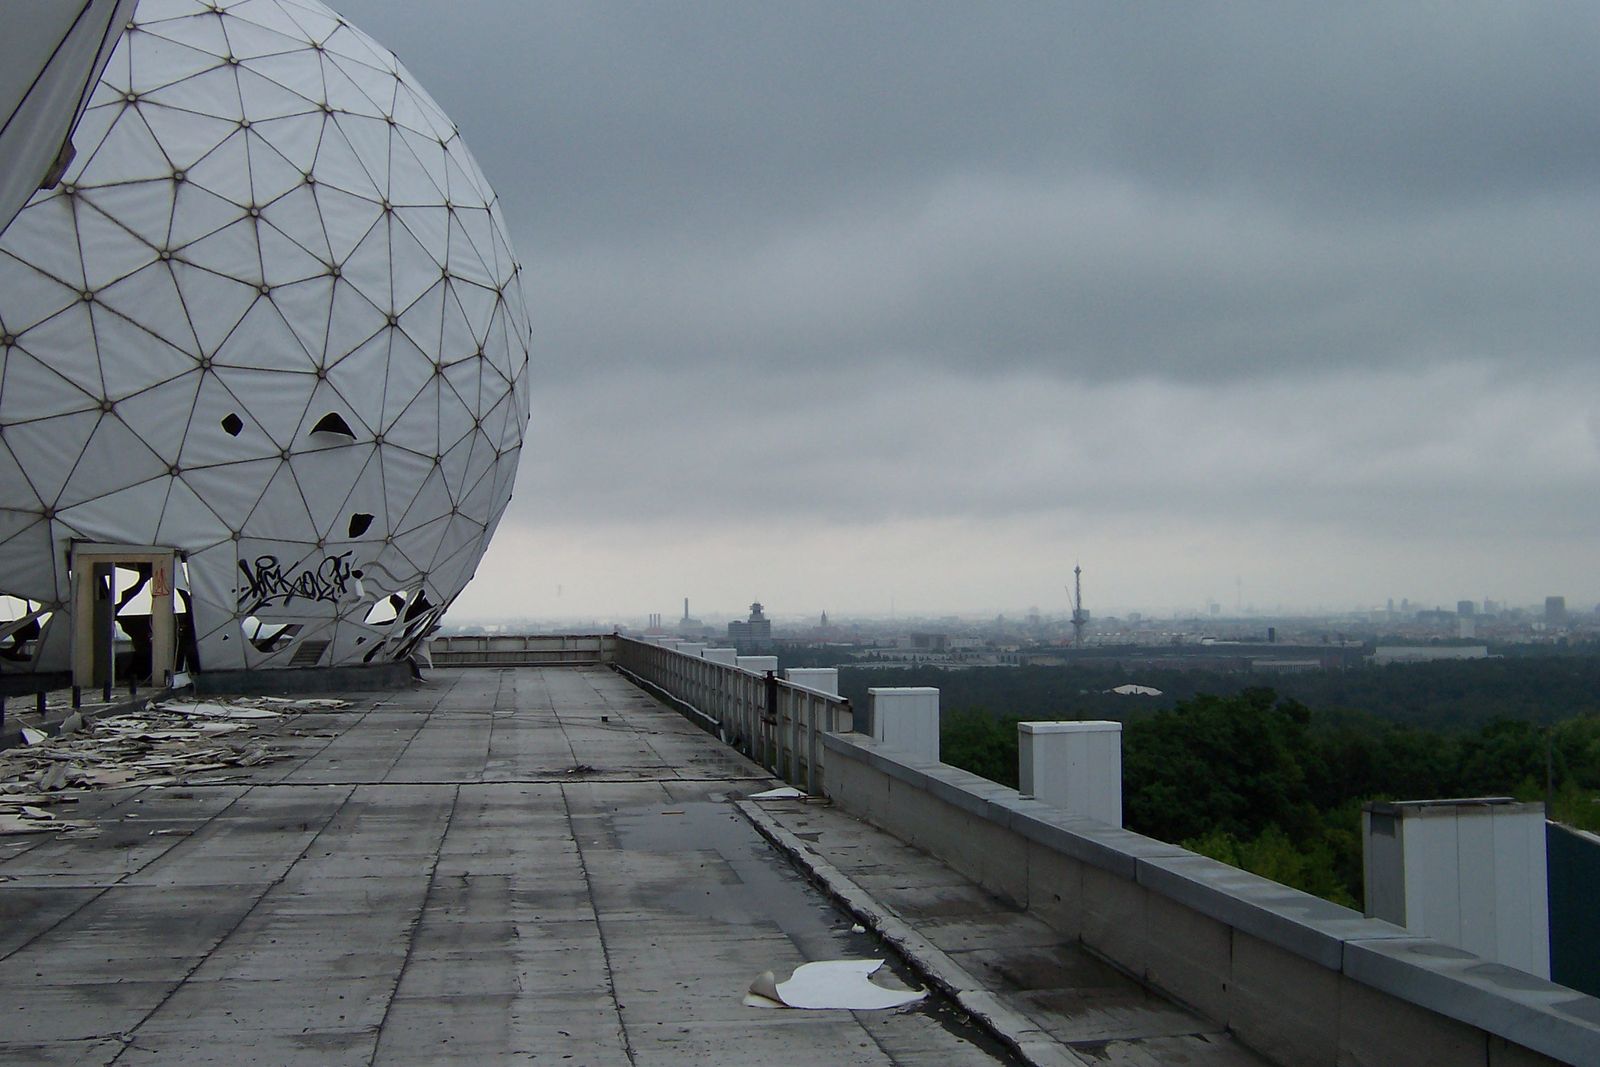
{"type": "Point", "coordinates": [270, 317]}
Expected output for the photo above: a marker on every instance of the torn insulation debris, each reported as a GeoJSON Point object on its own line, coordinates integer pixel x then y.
{"type": "Point", "coordinates": [830, 984]}
{"type": "Point", "coordinates": [783, 792]}
{"type": "Point", "coordinates": [165, 743]}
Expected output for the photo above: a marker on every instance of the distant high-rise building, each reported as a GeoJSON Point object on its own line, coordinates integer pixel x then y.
{"type": "Point", "coordinates": [1466, 607]}
{"type": "Point", "coordinates": [752, 634]}
{"type": "Point", "coordinates": [1555, 609]}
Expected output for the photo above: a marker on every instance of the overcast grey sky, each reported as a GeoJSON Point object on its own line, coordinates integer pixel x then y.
{"type": "Point", "coordinates": [840, 302]}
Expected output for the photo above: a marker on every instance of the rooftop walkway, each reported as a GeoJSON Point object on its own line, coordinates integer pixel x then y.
{"type": "Point", "coordinates": [506, 866]}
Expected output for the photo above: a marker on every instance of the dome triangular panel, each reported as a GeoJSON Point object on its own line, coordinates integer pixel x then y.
{"type": "Point", "coordinates": [222, 428]}
{"type": "Point", "coordinates": [275, 399]}
{"type": "Point", "coordinates": [225, 170]}
{"type": "Point", "coordinates": [158, 61]}
{"type": "Point", "coordinates": [131, 149]}
{"type": "Point", "coordinates": [353, 377]}
{"type": "Point", "coordinates": [368, 268]}
{"type": "Point", "coordinates": [294, 215]}
{"type": "Point", "coordinates": [248, 39]}
{"type": "Point", "coordinates": [306, 307]}
{"type": "Point", "coordinates": [271, 175]}
{"type": "Point", "coordinates": [417, 426]}
{"type": "Point", "coordinates": [215, 304]}
{"type": "Point", "coordinates": [414, 272]}
{"type": "Point", "coordinates": [141, 359]}
{"type": "Point", "coordinates": [188, 520]}
{"type": "Point", "coordinates": [149, 299]}
{"type": "Point", "coordinates": [429, 227]}
{"type": "Point", "coordinates": [232, 489]}
{"type": "Point", "coordinates": [264, 341]}
{"type": "Point", "coordinates": [114, 456]}
{"type": "Point", "coordinates": [329, 475]}
{"type": "Point", "coordinates": [368, 138]}
{"type": "Point", "coordinates": [193, 25]}
{"type": "Point", "coordinates": [34, 238]}
{"type": "Point", "coordinates": [65, 345]}
{"type": "Point", "coordinates": [199, 212]}
{"type": "Point", "coordinates": [141, 208]}
{"type": "Point", "coordinates": [346, 218]}
{"type": "Point", "coordinates": [281, 514]}
{"type": "Point", "coordinates": [295, 138]}
{"type": "Point", "coordinates": [30, 297]}
{"type": "Point", "coordinates": [28, 561]}
{"type": "Point", "coordinates": [355, 322]}
{"type": "Point", "coordinates": [130, 514]}
{"type": "Point", "coordinates": [214, 92]}
{"type": "Point", "coordinates": [283, 262]}
{"type": "Point", "coordinates": [162, 414]}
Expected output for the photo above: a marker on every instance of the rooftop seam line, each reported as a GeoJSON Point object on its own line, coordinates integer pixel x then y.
{"type": "Point", "coordinates": [411, 939]}
{"type": "Point", "coordinates": [127, 1037]}
{"type": "Point", "coordinates": [599, 928]}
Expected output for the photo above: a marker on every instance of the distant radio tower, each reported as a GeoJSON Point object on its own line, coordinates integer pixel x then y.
{"type": "Point", "coordinates": [1079, 616]}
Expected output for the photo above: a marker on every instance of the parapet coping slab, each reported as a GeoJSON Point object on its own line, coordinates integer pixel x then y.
{"type": "Point", "coordinates": [1295, 921]}
{"type": "Point", "coordinates": [1512, 1004]}
{"type": "Point", "coordinates": [1099, 844]}
{"type": "Point", "coordinates": [1520, 1007]}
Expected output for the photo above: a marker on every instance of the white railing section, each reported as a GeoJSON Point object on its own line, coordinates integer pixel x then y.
{"type": "Point", "coordinates": [776, 723]}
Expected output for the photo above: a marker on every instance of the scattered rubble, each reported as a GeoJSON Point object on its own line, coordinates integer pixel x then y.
{"type": "Point", "coordinates": [165, 743]}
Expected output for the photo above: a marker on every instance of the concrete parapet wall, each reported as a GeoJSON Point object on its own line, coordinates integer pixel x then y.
{"type": "Point", "coordinates": [1300, 979]}
{"type": "Point", "coordinates": [522, 650]}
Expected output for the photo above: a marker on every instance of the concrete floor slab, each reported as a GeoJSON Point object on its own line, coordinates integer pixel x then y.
{"type": "Point", "coordinates": [479, 870]}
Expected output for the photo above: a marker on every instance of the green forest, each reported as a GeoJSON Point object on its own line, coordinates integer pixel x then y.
{"type": "Point", "coordinates": [1272, 779]}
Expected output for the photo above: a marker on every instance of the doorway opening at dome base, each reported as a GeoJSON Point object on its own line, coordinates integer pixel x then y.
{"type": "Point", "coordinates": [124, 614]}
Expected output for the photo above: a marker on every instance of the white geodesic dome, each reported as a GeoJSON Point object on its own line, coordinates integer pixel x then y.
{"type": "Point", "coordinates": [269, 318]}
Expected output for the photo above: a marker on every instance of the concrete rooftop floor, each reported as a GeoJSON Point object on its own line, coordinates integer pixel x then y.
{"type": "Point", "coordinates": [500, 866]}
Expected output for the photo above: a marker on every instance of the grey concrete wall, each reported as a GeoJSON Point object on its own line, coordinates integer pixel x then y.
{"type": "Point", "coordinates": [1300, 979]}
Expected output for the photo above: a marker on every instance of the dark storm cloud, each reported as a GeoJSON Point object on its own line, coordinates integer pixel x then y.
{"type": "Point", "coordinates": [1099, 190]}
{"type": "Point", "coordinates": [826, 293]}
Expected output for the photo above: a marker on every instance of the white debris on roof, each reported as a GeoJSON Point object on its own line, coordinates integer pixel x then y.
{"type": "Point", "coordinates": [825, 984]}
{"type": "Point", "coordinates": [164, 743]}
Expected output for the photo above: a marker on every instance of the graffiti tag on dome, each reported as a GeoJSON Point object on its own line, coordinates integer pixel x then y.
{"type": "Point", "coordinates": [267, 582]}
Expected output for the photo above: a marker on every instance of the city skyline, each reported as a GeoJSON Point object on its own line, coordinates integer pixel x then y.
{"type": "Point", "coordinates": [836, 304]}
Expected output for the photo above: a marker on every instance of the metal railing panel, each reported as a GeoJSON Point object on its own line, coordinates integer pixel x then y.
{"type": "Point", "coordinates": [775, 723]}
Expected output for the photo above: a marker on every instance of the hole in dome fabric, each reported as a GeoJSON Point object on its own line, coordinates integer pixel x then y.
{"type": "Point", "coordinates": [360, 522]}
{"type": "Point", "coordinates": [334, 423]}
{"type": "Point", "coordinates": [21, 625]}
{"type": "Point", "coordinates": [387, 609]}
{"type": "Point", "coordinates": [233, 424]}
{"type": "Point", "coordinates": [268, 636]}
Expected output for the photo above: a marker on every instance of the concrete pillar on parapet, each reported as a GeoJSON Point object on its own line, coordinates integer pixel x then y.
{"type": "Point", "coordinates": [1471, 872]}
{"type": "Point", "coordinates": [758, 664]}
{"type": "Point", "coordinates": [1074, 766]}
{"type": "Point", "coordinates": [729, 656]}
{"type": "Point", "coordinates": [906, 718]}
{"type": "Point", "coordinates": [820, 679]}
